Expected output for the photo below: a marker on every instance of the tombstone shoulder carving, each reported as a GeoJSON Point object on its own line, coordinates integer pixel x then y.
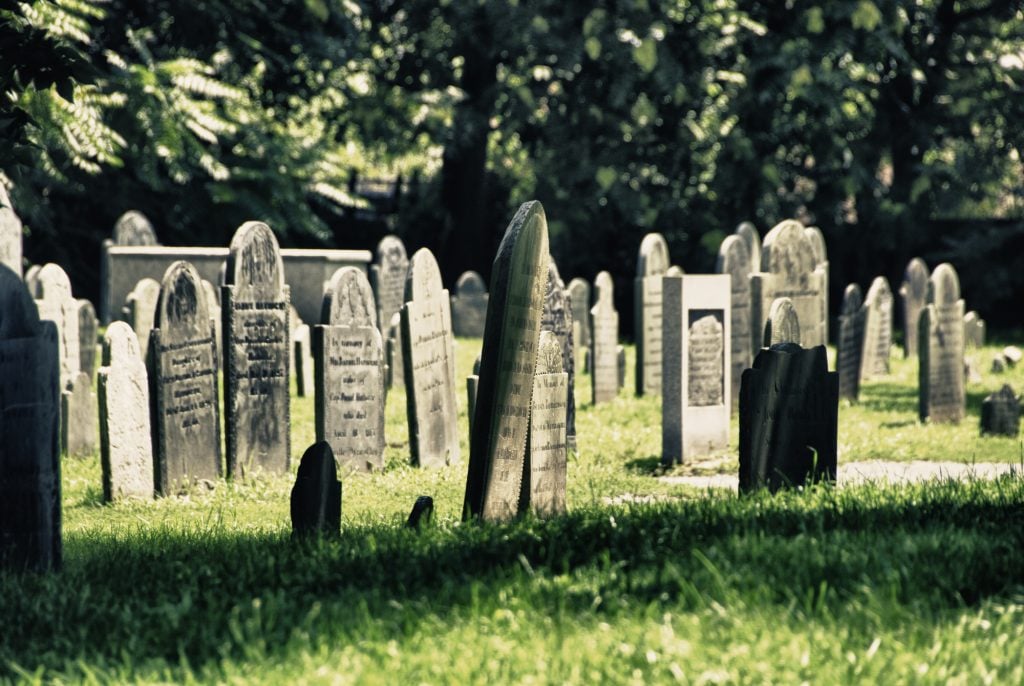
{"type": "Point", "coordinates": [254, 265]}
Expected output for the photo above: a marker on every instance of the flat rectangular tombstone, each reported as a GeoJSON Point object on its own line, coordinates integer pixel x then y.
{"type": "Point", "coordinates": [387, 278]}
{"type": "Point", "coordinates": [734, 260]}
{"type": "Point", "coordinates": [469, 306]}
{"type": "Point", "coordinates": [545, 489]}
{"type": "Point", "coordinates": [696, 375]}
{"type": "Point", "coordinates": [257, 403]}
{"type": "Point", "coordinates": [652, 263]}
{"type": "Point", "coordinates": [78, 418]}
{"type": "Point", "coordinates": [605, 337]}
{"type": "Point", "coordinates": [941, 352]}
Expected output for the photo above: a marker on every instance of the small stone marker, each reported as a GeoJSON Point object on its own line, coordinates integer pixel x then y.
{"type": "Point", "coordinates": [429, 364]}
{"type": "Point", "coordinates": [651, 265]}
{"type": "Point", "coordinates": [545, 480]}
{"type": "Point", "coordinates": [88, 332]}
{"type": "Point", "coordinates": [734, 260]}
{"type": "Point", "coordinates": [998, 364]}
{"type": "Point", "coordinates": [57, 305]}
{"type": "Point", "coordinates": [393, 353]}
{"type": "Point", "coordinates": [257, 393]}
{"type": "Point", "coordinates": [10, 234]}
{"type": "Point", "coordinates": [498, 442]}
{"type": "Point", "coordinates": [183, 384]}
{"type": "Point", "coordinates": [140, 310]}
{"type": "Point", "coordinates": [126, 449]}
{"type": "Point", "coordinates": [914, 294]}
{"type": "Point", "coordinates": [877, 329]}
{"type": "Point", "coordinates": [971, 373]}
{"type": "Point", "coordinates": [752, 239]}
{"type": "Point", "coordinates": [851, 341]}
{"type": "Point", "coordinates": [789, 405]}
{"type": "Point", "coordinates": [941, 341]}
{"type": "Point", "coordinates": [469, 305]}
{"type": "Point", "coordinates": [422, 513]}
{"type": "Point", "coordinates": [472, 388]}
{"type": "Point", "coordinates": [316, 495]}
{"type": "Point", "coordinates": [78, 418]}
{"type": "Point", "coordinates": [974, 330]}
{"type": "Point", "coordinates": [348, 356]}
{"type": "Point", "coordinates": [579, 297]}
{"type": "Point", "coordinates": [604, 357]}
{"type": "Point", "coordinates": [783, 326]}
{"type": "Point", "coordinates": [133, 228]}
{"type": "Point", "coordinates": [1000, 413]}
{"type": "Point", "coordinates": [388, 277]}
{"type": "Point", "coordinates": [1012, 354]}
{"type": "Point", "coordinates": [695, 403]}
{"type": "Point", "coordinates": [30, 502]}
{"type": "Point", "coordinates": [302, 353]}
{"type": "Point", "coordinates": [557, 318]}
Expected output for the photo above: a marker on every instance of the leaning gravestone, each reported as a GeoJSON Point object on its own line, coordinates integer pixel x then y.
{"type": "Point", "coordinates": [348, 356]}
{"type": "Point", "coordinates": [126, 449]}
{"type": "Point", "coordinates": [557, 318]}
{"type": "Point", "coordinates": [1000, 413]}
{"type": "Point", "coordinates": [851, 341]}
{"type": "Point", "coordinates": [140, 310]}
{"type": "Point", "coordinates": [783, 325]}
{"type": "Point", "coordinates": [651, 265]}
{"type": "Point", "coordinates": [469, 306]}
{"type": "Point", "coordinates": [257, 393]}
{"type": "Point", "coordinates": [604, 326]}
{"type": "Point", "coordinates": [941, 340]}
{"type": "Point", "coordinates": [133, 228]}
{"type": "Point", "coordinates": [498, 443]}
{"type": "Point", "coordinates": [393, 353]}
{"type": "Point", "coordinates": [57, 305]}
{"type": "Point", "coordinates": [817, 240]}
{"type": "Point", "coordinates": [388, 278]}
{"type": "Point", "coordinates": [78, 417]}
{"type": "Point", "coordinates": [429, 365]}
{"type": "Point", "coordinates": [789, 406]}
{"type": "Point", "coordinates": [695, 403]}
{"type": "Point", "coordinates": [183, 384]}
{"type": "Point", "coordinates": [88, 332]}
{"type": "Point", "coordinates": [789, 270]}
{"type": "Point", "coordinates": [10, 234]}
{"type": "Point", "coordinates": [545, 478]}
{"type": "Point", "coordinates": [302, 354]}
{"type": "Point", "coordinates": [914, 293]}
{"type": "Point", "coordinates": [974, 330]}
{"type": "Point", "coordinates": [30, 502]}
{"type": "Point", "coordinates": [579, 299]}
{"type": "Point", "coordinates": [734, 260]}
{"type": "Point", "coordinates": [316, 495]}
{"type": "Point", "coordinates": [752, 239]}
{"type": "Point", "coordinates": [877, 329]}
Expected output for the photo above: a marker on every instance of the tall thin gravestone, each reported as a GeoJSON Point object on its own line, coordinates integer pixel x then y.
{"type": "Point", "coordinates": [544, 480]}
{"type": "Point", "coordinates": [469, 306]}
{"type": "Point", "coordinates": [348, 356]}
{"type": "Point", "coordinates": [851, 342]}
{"type": "Point", "coordinates": [652, 262]}
{"type": "Point", "coordinates": [557, 318]}
{"type": "Point", "coordinates": [734, 260]}
{"type": "Point", "coordinates": [783, 325]}
{"type": "Point", "coordinates": [877, 329]}
{"type": "Point", "coordinates": [393, 352]}
{"type": "Point", "coordinates": [140, 310]}
{"type": "Point", "coordinates": [57, 305]}
{"type": "Point", "coordinates": [604, 326]}
{"type": "Point", "coordinates": [817, 240]}
{"type": "Point", "coordinates": [579, 298]}
{"type": "Point", "coordinates": [752, 239]}
{"type": "Point", "coordinates": [10, 234]}
{"type": "Point", "coordinates": [388, 278]}
{"type": "Point", "coordinates": [508, 362]}
{"type": "Point", "coordinates": [941, 350]}
{"type": "Point", "coordinates": [914, 294]}
{"type": "Point", "coordinates": [88, 332]}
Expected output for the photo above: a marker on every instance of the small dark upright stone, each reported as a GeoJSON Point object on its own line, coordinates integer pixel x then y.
{"type": "Point", "coordinates": [1000, 413]}
{"type": "Point", "coordinates": [316, 495]}
{"type": "Point", "coordinates": [422, 512]}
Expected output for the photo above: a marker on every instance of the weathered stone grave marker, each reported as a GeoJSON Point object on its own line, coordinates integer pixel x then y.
{"type": "Point", "coordinates": [941, 340]}
{"type": "Point", "coordinates": [316, 495]}
{"type": "Point", "coordinates": [877, 329]}
{"type": "Point", "coordinates": [545, 479]}
{"type": "Point", "coordinates": [57, 305]}
{"type": "Point", "coordinates": [783, 325]}
{"type": "Point", "coordinates": [851, 342]}
{"type": "Point", "coordinates": [78, 417]}
{"type": "Point", "coordinates": [974, 330]}
{"type": "Point", "coordinates": [388, 278]}
{"type": "Point", "coordinates": [914, 294]}
{"type": "Point", "coordinates": [302, 353]}
{"type": "Point", "coordinates": [472, 387]}
{"type": "Point", "coordinates": [752, 239]}
{"type": "Point", "coordinates": [216, 314]}
{"type": "Point", "coordinates": [140, 310]}
{"type": "Point", "coordinates": [604, 357]}
{"type": "Point", "coordinates": [734, 260]}
{"type": "Point", "coordinates": [393, 353]}
{"type": "Point", "coordinates": [1000, 413]}
{"type": "Point", "coordinates": [10, 234]}
{"type": "Point", "coordinates": [557, 318]}
{"type": "Point", "coordinates": [469, 305]}
{"type": "Point", "coordinates": [134, 228]}
{"type": "Point", "coordinates": [88, 332]}
{"type": "Point", "coordinates": [652, 262]}
{"type": "Point", "coordinates": [817, 240]}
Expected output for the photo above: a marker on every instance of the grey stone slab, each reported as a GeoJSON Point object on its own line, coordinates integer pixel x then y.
{"type": "Point", "coordinates": [783, 325]}
{"type": "Point", "coordinates": [348, 356]}
{"type": "Point", "coordinates": [557, 318]}
{"type": "Point", "coordinates": [56, 304]}
{"type": "Point", "coordinates": [183, 384]}
{"type": "Point", "coordinates": [428, 357]}
{"type": "Point", "coordinates": [817, 240]}
{"type": "Point", "coordinates": [88, 336]}
{"type": "Point", "coordinates": [789, 406]}
{"type": "Point", "coordinates": [126, 448]}
{"type": "Point", "coordinates": [30, 485]}
{"type": "Point", "coordinates": [316, 495]}
{"type": "Point", "coordinates": [1000, 413]}
{"type": "Point", "coordinates": [1012, 354]}
{"type": "Point", "coordinates": [604, 326]}
{"type": "Point", "coordinates": [579, 296]}
{"type": "Point", "coordinates": [140, 310]}
{"type": "Point", "coordinates": [734, 260]}
{"type": "Point", "coordinates": [878, 305]}
{"type": "Point", "coordinates": [469, 306]}
{"type": "Point", "coordinates": [10, 234]}
{"type": "Point", "coordinates": [508, 361]}
{"type": "Point", "coordinates": [78, 414]}
{"type": "Point", "coordinates": [134, 228]}
{"type": "Point", "coordinates": [851, 342]}
{"type": "Point", "coordinates": [974, 330]}
{"type": "Point", "coordinates": [216, 314]}
{"type": "Point", "coordinates": [752, 239]}
{"type": "Point", "coordinates": [941, 396]}
{"type": "Point", "coordinates": [652, 263]}
{"type": "Point", "coordinates": [544, 482]}
{"type": "Point", "coordinates": [302, 354]}
{"type": "Point", "coordinates": [914, 297]}
{"type": "Point", "coordinates": [387, 277]}
{"type": "Point", "coordinates": [393, 351]}
{"type": "Point", "coordinates": [257, 394]}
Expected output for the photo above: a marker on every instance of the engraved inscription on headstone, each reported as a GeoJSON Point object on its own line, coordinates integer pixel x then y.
{"type": "Point", "coordinates": [133, 228]}
{"type": "Point", "coordinates": [1000, 413]}
{"type": "Point", "coordinates": [469, 305]}
{"type": "Point", "coordinates": [545, 481]}
{"type": "Point", "coordinates": [557, 318]}
{"type": "Point", "coordinates": [851, 341]}
{"type": "Point", "coordinates": [783, 325]}
{"type": "Point", "coordinates": [387, 277]}
{"type": "Point", "coordinates": [914, 294]}
{"type": "Point", "coordinates": [941, 352]}
{"type": "Point", "coordinates": [78, 417]}
{"type": "Point", "coordinates": [604, 328]}
{"type": "Point", "coordinates": [88, 332]}
{"type": "Point", "coordinates": [652, 263]}
{"type": "Point", "coordinates": [10, 234]}
{"type": "Point", "coordinates": [877, 329]}
{"type": "Point", "coordinates": [705, 357]}
{"type": "Point", "coordinates": [734, 260]}
{"type": "Point", "coordinates": [140, 310]}
{"type": "Point", "coordinates": [57, 305]}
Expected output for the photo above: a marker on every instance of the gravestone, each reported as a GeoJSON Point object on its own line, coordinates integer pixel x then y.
{"type": "Point", "coordinates": [783, 325]}
{"type": "Point", "coordinates": [140, 310]}
{"type": "Point", "coordinates": [472, 387]}
{"type": "Point", "coordinates": [604, 356]}
{"type": "Point", "coordinates": [579, 297]}
{"type": "Point", "coordinates": [469, 305]}
{"type": "Point", "coordinates": [88, 332]}
{"type": "Point", "coordinates": [674, 270]}
{"type": "Point", "coordinates": [30, 502]}
{"type": "Point", "coordinates": [216, 314]}
{"type": "Point", "coordinates": [877, 329]}
{"type": "Point", "coordinates": [817, 240]}
{"type": "Point", "coordinates": [752, 239]}
{"type": "Point", "coordinates": [126, 449]}
{"type": "Point", "coordinates": [620, 356]}
{"type": "Point", "coordinates": [734, 260]}
{"type": "Point", "coordinates": [941, 340]}
{"type": "Point", "coordinates": [544, 480]}
{"type": "Point", "coordinates": [302, 353]}
{"type": "Point", "coordinates": [388, 278]}
{"type": "Point", "coordinates": [78, 417]}
{"type": "Point", "coordinates": [1012, 354]}
{"type": "Point", "coordinates": [557, 318]}
{"type": "Point", "coordinates": [651, 265]}
{"type": "Point", "coordinates": [348, 356]}
{"type": "Point", "coordinates": [1000, 413]}
{"type": "Point", "coordinates": [57, 305]}
{"type": "Point", "coordinates": [395, 363]}
{"type": "Point", "coordinates": [914, 294]}
{"type": "Point", "coordinates": [428, 356]}
{"type": "Point", "coordinates": [508, 361]}
{"type": "Point", "coordinates": [32, 279]}
{"type": "Point", "coordinates": [422, 513]}
{"type": "Point", "coordinates": [998, 364]}
{"type": "Point", "coordinates": [133, 228]}
{"type": "Point", "coordinates": [789, 270]}
{"type": "Point", "coordinates": [183, 387]}
{"type": "Point", "coordinates": [257, 393]}
{"type": "Point", "coordinates": [695, 403]}
{"type": "Point", "coordinates": [316, 495]}
{"type": "Point", "coordinates": [10, 234]}
{"type": "Point", "coordinates": [789, 406]}
{"type": "Point", "coordinates": [974, 330]}
{"type": "Point", "coordinates": [851, 341]}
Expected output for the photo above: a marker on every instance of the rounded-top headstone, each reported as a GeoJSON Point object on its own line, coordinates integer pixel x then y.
{"type": "Point", "coordinates": [19, 317]}
{"type": "Point", "coordinates": [470, 283]}
{"type": "Point", "coordinates": [254, 264]}
{"type": "Point", "coordinates": [915, 280]}
{"type": "Point", "coordinates": [852, 301]}
{"type": "Point", "coordinates": [783, 324]}
{"type": "Point", "coordinates": [944, 285]}
{"type": "Point", "coordinates": [653, 259]}
{"type": "Point", "coordinates": [182, 313]}
{"type": "Point", "coordinates": [748, 232]}
{"type": "Point", "coordinates": [349, 300]}
{"type": "Point", "coordinates": [788, 251]}
{"type": "Point", "coordinates": [10, 234]}
{"type": "Point", "coordinates": [817, 239]}
{"type": "Point", "coordinates": [53, 282]}
{"type": "Point", "coordinates": [674, 270]}
{"type": "Point", "coordinates": [32, 279]}
{"type": "Point", "coordinates": [120, 343]}
{"type": "Point", "coordinates": [424, 277]}
{"type": "Point", "coordinates": [133, 228]}
{"type": "Point", "coordinates": [879, 291]}
{"type": "Point", "coordinates": [733, 257]}
{"type": "Point", "coordinates": [605, 287]}
{"type": "Point", "coordinates": [391, 251]}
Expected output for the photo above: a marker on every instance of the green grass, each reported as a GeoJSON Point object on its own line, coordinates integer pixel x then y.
{"type": "Point", "coordinates": [919, 584]}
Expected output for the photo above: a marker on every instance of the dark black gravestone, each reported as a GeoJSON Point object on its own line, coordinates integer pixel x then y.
{"type": "Point", "coordinates": [469, 306]}
{"type": "Point", "coordinates": [133, 228]}
{"type": "Point", "coordinates": [257, 396]}
{"type": "Point", "coordinates": [497, 445]}
{"type": "Point", "coordinates": [789, 405]}
{"type": "Point", "coordinates": [10, 234]}
{"type": "Point", "coordinates": [348, 359]}
{"type": "Point", "coordinates": [734, 260]}
{"type": "Point", "coordinates": [422, 512]}
{"type": "Point", "coordinates": [387, 278]}
{"type": "Point", "coordinates": [914, 294]}
{"type": "Point", "coordinates": [557, 318]}
{"type": "Point", "coordinates": [316, 495]}
{"type": "Point", "coordinates": [30, 504]}
{"type": "Point", "coordinates": [941, 350]}
{"type": "Point", "coordinates": [183, 384]}
{"type": "Point", "coordinates": [1000, 413]}
{"type": "Point", "coordinates": [88, 337]}
{"type": "Point", "coordinates": [651, 265]}
{"type": "Point", "coordinates": [851, 340]}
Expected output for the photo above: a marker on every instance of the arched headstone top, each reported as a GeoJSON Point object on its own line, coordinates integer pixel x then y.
{"type": "Point", "coordinates": [783, 323]}
{"type": "Point", "coordinates": [145, 287]}
{"type": "Point", "coordinates": [391, 251]}
{"type": "Point", "coordinates": [605, 287]}
{"type": "Point", "coordinates": [675, 270]}
{"type": "Point", "coordinates": [944, 285]}
{"type": "Point", "coordinates": [470, 283]}
{"type": "Point", "coordinates": [19, 317]}
{"type": "Point", "coordinates": [424, 277]}
{"type": "Point", "coordinates": [915, 280]}
{"type": "Point", "coordinates": [579, 288]}
{"type": "Point", "coordinates": [748, 232]}
{"type": "Point", "coordinates": [549, 354]}
{"type": "Point", "coordinates": [32, 279]}
{"type": "Point", "coordinates": [878, 292]}
{"type": "Point", "coordinates": [120, 344]}
{"type": "Point", "coordinates": [254, 265]}
{"type": "Point", "coordinates": [852, 300]}
{"type": "Point", "coordinates": [788, 251]}
{"type": "Point", "coordinates": [52, 282]}
{"type": "Point", "coordinates": [733, 257]}
{"type": "Point", "coordinates": [653, 259]}
{"type": "Point", "coordinates": [817, 240]}
{"type": "Point", "coordinates": [183, 313]}
{"type": "Point", "coordinates": [133, 228]}
{"type": "Point", "coordinates": [349, 300]}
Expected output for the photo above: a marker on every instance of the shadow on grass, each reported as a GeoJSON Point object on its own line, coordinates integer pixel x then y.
{"type": "Point", "coordinates": [647, 466]}
{"type": "Point", "coordinates": [883, 396]}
